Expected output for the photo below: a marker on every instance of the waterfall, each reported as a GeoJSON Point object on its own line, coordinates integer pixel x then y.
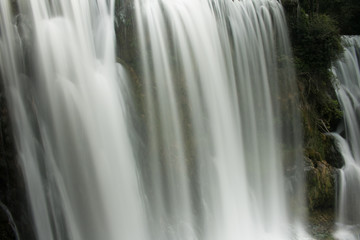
{"type": "Point", "coordinates": [220, 155]}
{"type": "Point", "coordinates": [347, 72]}
{"type": "Point", "coordinates": [65, 92]}
{"type": "Point", "coordinates": [221, 112]}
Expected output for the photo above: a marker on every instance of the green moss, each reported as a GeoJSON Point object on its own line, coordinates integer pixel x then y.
{"type": "Point", "coordinates": [320, 183]}
{"type": "Point", "coordinates": [321, 224]}
{"type": "Point", "coordinates": [316, 43]}
{"type": "Point", "coordinates": [345, 12]}
{"type": "Point", "coordinates": [322, 156]}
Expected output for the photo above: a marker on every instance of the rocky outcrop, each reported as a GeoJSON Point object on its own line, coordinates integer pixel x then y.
{"type": "Point", "coordinates": [320, 184]}
{"type": "Point", "coordinates": [15, 217]}
{"type": "Point", "coordinates": [322, 174]}
{"type": "Point", "coordinates": [316, 43]}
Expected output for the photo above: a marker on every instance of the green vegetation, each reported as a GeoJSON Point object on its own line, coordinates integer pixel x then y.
{"type": "Point", "coordinates": [316, 42]}
{"type": "Point", "coordinates": [345, 12]}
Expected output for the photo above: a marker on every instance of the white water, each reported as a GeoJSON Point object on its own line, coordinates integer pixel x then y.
{"type": "Point", "coordinates": [347, 71]}
{"type": "Point", "coordinates": [70, 119]}
{"type": "Point", "coordinates": [211, 73]}
{"type": "Point", "coordinates": [220, 109]}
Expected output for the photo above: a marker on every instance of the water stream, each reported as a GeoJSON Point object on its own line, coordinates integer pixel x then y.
{"type": "Point", "coordinates": [211, 71]}
{"type": "Point", "coordinates": [347, 71]}
{"type": "Point", "coordinates": [221, 148]}
{"type": "Point", "coordinates": [64, 90]}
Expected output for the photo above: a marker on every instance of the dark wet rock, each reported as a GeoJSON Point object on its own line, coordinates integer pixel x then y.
{"type": "Point", "coordinates": [12, 185]}
{"type": "Point", "coordinates": [320, 184]}
{"type": "Point", "coordinates": [332, 154]}
{"type": "Point", "coordinates": [321, 224]}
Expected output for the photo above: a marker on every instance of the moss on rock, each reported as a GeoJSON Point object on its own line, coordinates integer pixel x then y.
{"type": "Point", "coordinates": [316, 43]}
{"type": "Point", "coordinates": [320, 182]}
{"type": "Point", "coordinates": [321, 224]}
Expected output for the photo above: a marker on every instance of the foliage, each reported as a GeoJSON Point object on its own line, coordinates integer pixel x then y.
{"type": "Point", "coordinates": [316, 42]}
{"type": "Point", "coordinates": [320, 185]}
{"type": "Point", "coordinates": [345, 12]}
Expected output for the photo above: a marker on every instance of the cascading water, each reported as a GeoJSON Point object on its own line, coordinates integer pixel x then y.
{"type": "Point", "coordinates": [64, 91]}
{"type": "Point", "coordinates": [347, 71]}
{"type": "Point", "coordinates": [216, 126]}
{"type": "Point", "coordinates": [221, 120]}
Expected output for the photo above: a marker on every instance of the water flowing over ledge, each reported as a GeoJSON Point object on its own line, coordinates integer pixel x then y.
{"type": "Point", "coordinates": [215, 63]}
{"type": "Point", "coordinates": [65, 95]}
{"type": "Point", "coordinates": [221, 152]}
{"type": "Point", "coordinates": [347, 72]}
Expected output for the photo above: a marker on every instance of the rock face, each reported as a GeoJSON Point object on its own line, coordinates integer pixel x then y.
{"type": "Point", "coordinates": [15, 218]}
{"type": "Point", "coordinates": [319, 106]}
{"type": "Point", "coordinates": [126, 37]}
{"type": "Point", "coordinates": [320, 182]}
{"type": "Point", "coordinates": [321, 175]}
{"type": "Point", "coordinates": [322, 161]}
{"type": "Point", "coordinates": [321, 224]}
{"type": "Point", "coordinates": [6, 232]}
